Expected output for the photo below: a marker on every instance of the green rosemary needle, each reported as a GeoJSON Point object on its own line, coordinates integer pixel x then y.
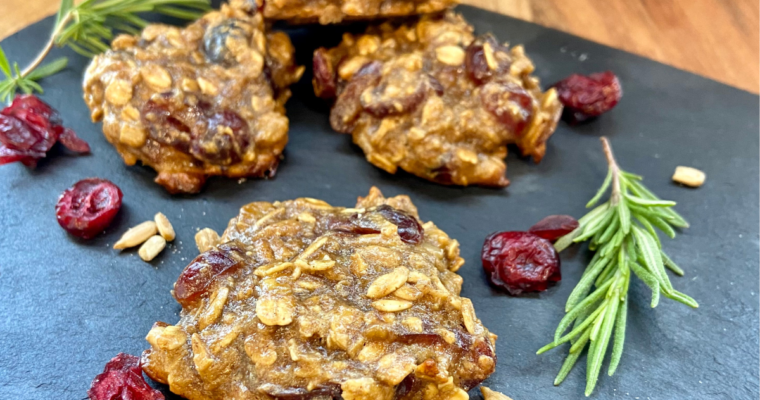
{"type": "Point", "coordinates": [87, 28]}
{"type": "Point", "coordinates": [622, 233]}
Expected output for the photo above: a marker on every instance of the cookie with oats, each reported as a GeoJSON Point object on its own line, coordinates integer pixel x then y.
{"type": "Point", "coordinates": [303, 300]}
{"type": "Point", "coordinates": [208, 99]}
{"type": "Point", "coordinates": [429, 97]}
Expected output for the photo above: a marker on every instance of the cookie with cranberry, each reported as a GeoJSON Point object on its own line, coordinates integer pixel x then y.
{"type": "Point", "coordinates": [434, 100]}
{"type": "Point", "coordinates": [305, 300]}
{"type": "Point", "coordinates": [198, 101]}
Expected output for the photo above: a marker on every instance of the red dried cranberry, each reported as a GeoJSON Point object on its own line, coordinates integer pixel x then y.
{"type": "Point", "coordinates": [586, 97]}
{"type": "Point", "coordinates": [29, 128]}
{"type": "Point", "coordinates": [198, 275]}
{"type": "Point", "coordinates": [481, 67]}
{"type": "Point", "coordinates": [347, 106]}
{"type": "Point", "coordinates": [88, 207]}
{"type": "Point", "coordinates": [122, 379]}
{"type": "Point", "coordinates": [409, 229]}
{"type": "Point", "coordinates": [554, 227]}
{"type": "Point", "coordinates": [224, 140]}
{"type": "Point", "coordinates": [160, 116]}
{"type": "Point", "coordinates": [358, 223]}
{"type": "Point", "coordinates": [398, 92]}
{"type": "Point", "coordinates": [325, 78]}
{"type": "Point", "coordinates": [69, 139]}
{"type": "Point", "coordinates": [520, 262]}
{"type": "Point", "coordinates": [509, 103]}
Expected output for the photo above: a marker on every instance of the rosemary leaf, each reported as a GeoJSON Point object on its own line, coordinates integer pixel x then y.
{"type": "Point", "coordinates": [648, 225]}
{"type": "Point", "coordinates": [649, 280]}
{"type": "Point", "coordinates": [649, 203]}
{"type": "Point", "coordinates": [663, 226]}
{"type": "Point", "coordinates": [582, 288]}
{"type": "Point", "coordinates": [602, 190]}
{"type": "Point", "coordinates": [617, 348]}
{"type": "Point", "coordinates": [625, 217]}
{"type": "Point", "coordinates": [671, 265]}
{"type": "Point", "coordinates": [48, 69]}
{"type": "Point", "coordinates": [603, 339]}
{"type": "Point", "coordinates": [5, 66]}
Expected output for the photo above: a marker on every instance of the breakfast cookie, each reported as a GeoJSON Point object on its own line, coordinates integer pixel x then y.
{"type": "Point", "coordinates": [430, 98]}
{"type": "Point", "coordinates": [334, 11]}
{"type": "Point", "coordinates": [204, 100]}
{"type": "Point", "coordinates": [303, 300]}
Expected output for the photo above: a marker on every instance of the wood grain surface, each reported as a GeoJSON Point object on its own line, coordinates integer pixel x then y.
{"type": "Point", "coordinates": [718, 39]}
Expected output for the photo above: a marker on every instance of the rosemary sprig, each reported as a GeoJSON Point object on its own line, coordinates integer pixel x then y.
{"type": "Point", "coordinates": [87, 28]}
{"type": "Point", "coordinates": [622, 234]}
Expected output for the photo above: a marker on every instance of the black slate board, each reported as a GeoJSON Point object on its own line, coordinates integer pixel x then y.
{"type": "Point", "coordinates": [68, 306]}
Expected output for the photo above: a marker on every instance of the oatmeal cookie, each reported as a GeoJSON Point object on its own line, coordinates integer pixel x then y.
{"type": "Point", "coordinates": [334, 11]}
{"type": "Point", "coordinates": [303, 300]}
{"type": "Point", "coordinates": [434, 100]}
{"type": "Point", "coordinates": [204, 100]}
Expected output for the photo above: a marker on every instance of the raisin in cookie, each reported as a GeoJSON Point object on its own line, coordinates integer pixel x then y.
{"type": "Point", "coordinates": [204, 100]}
{"type": "Point", "coordinates": [430, 98]}
{"type": "Point", "coordinates": [303, 300]}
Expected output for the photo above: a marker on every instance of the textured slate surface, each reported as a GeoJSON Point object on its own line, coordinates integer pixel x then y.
{"type": "Point", "coordinates": [68, 307]}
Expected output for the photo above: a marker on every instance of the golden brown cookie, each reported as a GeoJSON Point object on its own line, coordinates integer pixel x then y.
{"type": "Point", "coordinates": [204, 100]}
{"type": "Point", "coordinates": [430, 98]}
{"type": "Point", "coordinates": [303, 300]}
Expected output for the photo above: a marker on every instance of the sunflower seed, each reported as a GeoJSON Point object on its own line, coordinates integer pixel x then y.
{"type": "Point", "coordinates": [150, 249]}
{"type": "Point", "coordinates": [136, 235]}
{"type": "Point", "coordinates": [165, 227]}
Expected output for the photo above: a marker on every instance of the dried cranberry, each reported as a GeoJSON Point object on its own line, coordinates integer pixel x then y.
{"type": "Point", "coordinates": [586, 97]}
{"type": "Point", "coordinates": [224, 140]}
{"type": "Point", "coordinates": [325, 78]}
{"type": "Point", "coordinates": [409, 229]}
{"type": "Point", "coordinates": [398, 92]}
{"type": "Point", "coordinates": [486, 58]}
{"type": "Point", "coordinates": [360, 224]}
{"type": "Point", "coordinates": [160, 115]}
{"type": "Point", "coordinates": [69, 139]}
{"type": "Point", "coordinates": [17, 135]}
{"type": "Point", "coordinates": [88, 207]}
{"type": "Point", "coordinates": [509, 103]}
{"type": "Point", "coordinates": [201, 272]}
{"type": "Point", "coordinates": [520, 262]}
{"type": "Point", "coordinates": [29, 128]}
{"type": "Point", "coordinates": [122, 379]}
{"type": "Point", "coordinates": [554, 227]}
{"type": "Point", "coordinates": [211, 134]}
{"type": "Point", "coordinates": [347, 106]}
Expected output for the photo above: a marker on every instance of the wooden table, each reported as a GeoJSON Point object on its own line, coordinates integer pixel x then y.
{"type": "Point", "coordinates": [714, 38]}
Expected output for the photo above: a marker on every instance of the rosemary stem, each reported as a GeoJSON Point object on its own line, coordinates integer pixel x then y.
{"type": "Point", "coordinates": [48, 46]}
{"type": "Point", "coordinates": [615, 194]}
